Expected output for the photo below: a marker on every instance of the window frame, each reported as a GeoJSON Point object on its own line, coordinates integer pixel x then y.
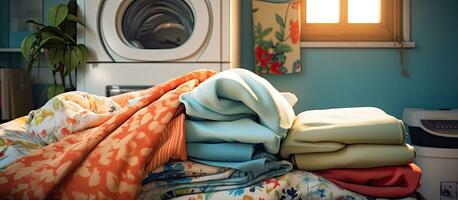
{"type": "Point", "coordinates": [383, 30]}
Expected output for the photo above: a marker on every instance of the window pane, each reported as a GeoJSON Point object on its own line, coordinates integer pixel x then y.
{"type": "Point", "coordinates": [23, 10]}
{"type": "Point", "coordinates": [364, 11]}
{"type": "Point", "coordinates": [323, 11]}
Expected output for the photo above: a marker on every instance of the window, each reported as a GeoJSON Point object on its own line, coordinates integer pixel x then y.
{"type": "Point", "coordinates": [355, 21]}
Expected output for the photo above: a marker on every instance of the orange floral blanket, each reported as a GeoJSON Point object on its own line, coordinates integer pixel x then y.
{"type": "Point", "coordinates": [108, 161]}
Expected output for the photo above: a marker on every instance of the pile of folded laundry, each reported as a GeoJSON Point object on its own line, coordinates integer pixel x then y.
{"type": "Point", "coordinates": [360, 149]}
{"type": "Point", "coordinates": [204, 135]}
{"type": "Point", "coordinates": [235, 124]}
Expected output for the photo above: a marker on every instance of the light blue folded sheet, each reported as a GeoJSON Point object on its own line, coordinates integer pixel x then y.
{"type": "Point", "coordinates": [229, 152]}
{"type": "Point", "coordinates": [254, 167]}
{"type": "Point", "coordinates": [242, 130]}
{"type": "Point", "coordinates": [237, 94]}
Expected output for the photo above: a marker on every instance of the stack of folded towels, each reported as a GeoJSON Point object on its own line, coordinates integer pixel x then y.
{"type": "Point", "coordinates": [235, 122]}
{"type": "Point", "coordinates": [360, 149]}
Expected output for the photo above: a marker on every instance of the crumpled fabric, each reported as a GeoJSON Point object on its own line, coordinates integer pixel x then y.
{"type": "Point", "coordinates": [108, 160]}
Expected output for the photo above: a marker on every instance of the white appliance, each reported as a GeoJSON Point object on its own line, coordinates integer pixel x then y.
{"type": "Point", "coordinates": [439, 172]}
{"type": "Point", "coordinates": [434, 133]}
{"type": "Point", "coordinates": [145, 42]}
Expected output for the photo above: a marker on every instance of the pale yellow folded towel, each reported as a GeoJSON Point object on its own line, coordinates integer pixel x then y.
{"type": "Point", "coordinates": [332, 129]}
{"type": "Point", "coordinates": [356, 156]}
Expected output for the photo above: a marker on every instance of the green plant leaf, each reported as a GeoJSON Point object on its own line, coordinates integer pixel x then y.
{"type": "Point", "coordinates": [282, 48]}
{"type": "Point", "coordinates": [266, 44]}
{"type": "Point", "coordinates": [69, 26]}
{"type": "Point", "coordinates": [57, 14]}
{"type": "Point", "coordinates": [69, 38]}
{"type": "Point", "coordinates": [57, 32]}
{"type": "Point", "coordinates": [35, 22]}
{"type": "Point", "coordinates": [54, 56]}
{"type": "Point", "coordinates": [79, 53]}
{"type": "Point", "coordinates": [70, 61]}
{"type": "Point", "coordinates": [85, 52]}
{"type": "Point", "coordinates": [51, 40]}
{"type": "Point", "coordinates": [76, 53]}
{"type": "Point", "coordinates": [259, 28]}
{"type": "Point", "coordinates": [281, 58]}
{"type": "Point", "coordinates": [51, 30]}
{"type": "Point", "coordinates": [51, 57]}
{"type": "Point", "coordinates": [74, 18]}
{"type": "Point", "coordinates": [279, 36]}
{"type": "Point", "coordinates": [54, 90]}
{"type": "Point", "coordinates": [27, 44]}
{"type": "Point", "coordinates": [47, 39]}
{"type": "Point", "coordinates": [34, 61]}
{"type": "Point", "coordinates": [266, 32]}
{"type": "Point", "coordinates": [279, 20]}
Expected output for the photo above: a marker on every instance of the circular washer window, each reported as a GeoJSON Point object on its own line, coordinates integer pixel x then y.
{"type": "Point", "coordinates": [156, 24]}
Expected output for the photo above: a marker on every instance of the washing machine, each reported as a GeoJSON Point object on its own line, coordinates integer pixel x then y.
{"type": "Point", "coordinates": [146, 42]}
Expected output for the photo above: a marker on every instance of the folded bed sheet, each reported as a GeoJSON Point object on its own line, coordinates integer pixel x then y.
{"type": "Point", "coordinates": [231, 152]}
{"type": "Point", "coordinates": [356, 156]}
{"type": "Point", "coordinates": [243, 130]}
{"type": "Point", "coordinates": [387, 182]}
{"type": "Point", "coordinates": [332, 129]}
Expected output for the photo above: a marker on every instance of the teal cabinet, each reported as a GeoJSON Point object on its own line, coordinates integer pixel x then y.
{"type": "Point", "coordinates": [4, 20]}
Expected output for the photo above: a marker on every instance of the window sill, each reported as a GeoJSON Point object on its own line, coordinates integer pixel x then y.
{"type": "Point", "coordinates": [358, 45]}
{"type": "Point", "coordinates": [10, 50]}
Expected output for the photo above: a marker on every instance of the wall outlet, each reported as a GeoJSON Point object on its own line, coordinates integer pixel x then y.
{"type": "Point", "coordinates": [449, 190]}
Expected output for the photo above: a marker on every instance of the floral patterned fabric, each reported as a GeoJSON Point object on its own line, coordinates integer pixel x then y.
{"type": "Point", "coordinates": [294, 185]}
{"type": "Point", "coordinates": [109, 160]}
{"type": "Point", "coordinates": [15, 142]}
{"type": "Point", "coordinates": [173, 170]}
{"type": "Point", "coordinates": [277, 36]}
{"type": "Point", "coordinates": [224, 179]}
{"type": "Point", "coordinates": [68, 113]}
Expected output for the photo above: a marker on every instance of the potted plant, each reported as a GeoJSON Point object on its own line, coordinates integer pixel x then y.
{"type": "Point", "coordinates": [58, 41]}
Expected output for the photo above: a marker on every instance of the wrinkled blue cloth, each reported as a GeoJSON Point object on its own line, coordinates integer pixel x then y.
{"type": "Point", "coordinates": [242, 130]}
{"type": "Point", "coordinates": [236, 94]}
{"type": "Point", "coordinates": [229, 152]}
{"type": "Point", "coordinates": [258, 164]}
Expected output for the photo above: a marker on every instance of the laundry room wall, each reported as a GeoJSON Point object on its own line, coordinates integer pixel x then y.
{"type": "Point", "coordinates": [371, 77]}
{"type": "Point", "coordinates": [356, 77]}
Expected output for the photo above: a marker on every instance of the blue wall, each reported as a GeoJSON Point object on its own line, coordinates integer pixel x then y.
{"type": "Point", "coordinates": [371, 77]}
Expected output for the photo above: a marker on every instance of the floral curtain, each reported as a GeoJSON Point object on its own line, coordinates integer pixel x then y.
{"type": "Point", "coordinates": [276, 27]}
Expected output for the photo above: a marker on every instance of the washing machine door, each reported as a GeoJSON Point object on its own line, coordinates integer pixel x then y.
{"type": "Point", "coordinates": [154, 30]}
